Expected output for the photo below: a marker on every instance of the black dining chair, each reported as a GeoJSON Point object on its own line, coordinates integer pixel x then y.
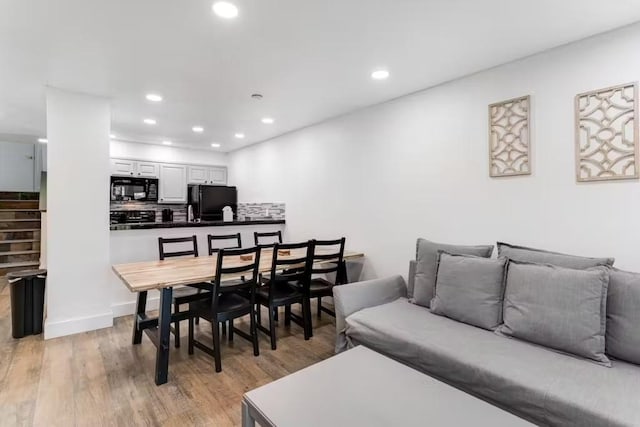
{"type": "Point", "coordinates": [288, 284]}
{"type": "Point", "coordinates": [188, 293]}
{"type": "Point", "coordinates": [328, 257]}
{"type": "Point", "coordinates": [267, 239]}
{"type": "Point", "coordinates": [231, 241]}
{"type": "Point", "coordinates": [229, 300]}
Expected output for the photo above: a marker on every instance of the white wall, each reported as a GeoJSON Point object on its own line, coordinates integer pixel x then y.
{"type": "Point", "coordinates": [78, 291]}
{"type": "Point", "coordinates": [162, 153]}
{"type": "Point", "coordinates": [418, 166]}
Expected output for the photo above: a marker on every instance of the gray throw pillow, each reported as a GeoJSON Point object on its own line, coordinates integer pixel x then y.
{"type": "Point", "coordinates": [427, 264]}
{"type": "Point", "coordinates": [623, 316]}
{"type": "Point", "coordinates": [470, 289]}
{"type": "Point", "coordinates": [521, 253]}
{"type": "Point", "coordinates": [560, 308]}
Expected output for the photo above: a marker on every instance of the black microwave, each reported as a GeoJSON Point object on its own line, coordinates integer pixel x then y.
{"type": "Point", "coordinates": [136, 189]}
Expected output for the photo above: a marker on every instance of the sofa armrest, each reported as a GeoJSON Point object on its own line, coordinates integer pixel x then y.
{"type": "Point", "coordinates": [354, 297]}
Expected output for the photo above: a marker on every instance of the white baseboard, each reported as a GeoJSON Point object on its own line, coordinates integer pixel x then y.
{"type": "Point", "coordinates": [127, 308]}
{"type": "Point", "coordinates": [77, 325]}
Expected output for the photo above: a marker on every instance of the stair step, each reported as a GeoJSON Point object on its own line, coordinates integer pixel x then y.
{"type": "Point", "coordinates": [13, 266]}
{"type": "Point", "coordinates": [20, 224]}
{"type": "Point", "coordinates": [18, 264]}
{"type": "Point", "coordinates": [20, 233]}
{"type": "Point", "coordinates": [19, 195]}
{"type": "Point", "coordinates": [10, 241]}
{"type": "Point", "coordinates": [19, 245]}
{"type": "Point", "coordinates": [19, 204]}
{"type": "Point", "coordinates": [30, 251]}
{"type": "Point", "coordinates": [20, 219]}
{"type": "Point", "coordinates": [16, 214]}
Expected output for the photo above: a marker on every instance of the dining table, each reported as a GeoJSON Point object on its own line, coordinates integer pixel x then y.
{"type": "Point", "coordinates": [165, 275]}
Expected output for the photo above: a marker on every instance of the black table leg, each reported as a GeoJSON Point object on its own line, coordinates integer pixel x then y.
{"type": "Point", "coordinates": [141, 307]}
{"type": "Point", "coordinates": [164, 330]}
{"type": "Point", "coordinates": [342, 278]}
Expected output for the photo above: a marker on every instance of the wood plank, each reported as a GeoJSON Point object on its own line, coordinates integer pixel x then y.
{"type": "Point", "coordinates": [149, 275]}
{"type": "Point", "coordinates": [99, 378]}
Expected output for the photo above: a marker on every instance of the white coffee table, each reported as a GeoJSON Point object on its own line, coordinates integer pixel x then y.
{"type": "Point", "coordinates": [363, 388]}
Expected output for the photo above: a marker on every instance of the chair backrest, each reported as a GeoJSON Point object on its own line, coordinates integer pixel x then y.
{"type": "Point", "coordinates": [327, 256]}
{"type": "Point", "coordinates": [292, 262]}
{"type": "Point", "coordinates": [172, 241]}
{"type": "Point", "coordinates": [244, 273]}
{"type": "Point", "coordinates": [235, 244]}
{"type": "Point", "coordinates": [271, 238]}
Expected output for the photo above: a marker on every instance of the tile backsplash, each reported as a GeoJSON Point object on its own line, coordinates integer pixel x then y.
{"type": "Point", "coordinates": [179, 211]}
{"type": "Point", "coordinates": [245, 210]}
{"type": "Point", "coordinates": [261, 210]}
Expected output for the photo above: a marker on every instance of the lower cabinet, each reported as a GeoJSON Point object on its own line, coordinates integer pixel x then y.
{"type": "Point", "coordinates": [173, 183]}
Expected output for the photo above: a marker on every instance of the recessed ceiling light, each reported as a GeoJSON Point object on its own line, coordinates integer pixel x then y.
{"type": "Point", "coordinates": [214, 145]}
{"type": "Point", "coordinates": [197, 129]}
{"type": "Point", "coordinates": [154, 97]}
{"type": "Point", "coordinates": [224, 9]}
{"type": "Point", "coordinates": [167, 142]}
{"type": "Point", "coordinates": [239, 135]}
{"type": "Point", "coordinates": [43, 140]}
{"type": "Point", "coordinates": [380, 74]}
{"type": "Point", "coordinates": [267, 120]}
{"type": "Point", "coordinates": [150, 121]}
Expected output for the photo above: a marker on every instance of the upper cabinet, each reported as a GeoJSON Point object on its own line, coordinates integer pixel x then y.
{"type": "Point", "coordinates": [147, 170]}
{"type": "Point", "coordinates": [198, 175]}
{"type": "Point", "coordinates": [216, 175]}
{"type": "Point", "coordinates": [173, 183]}
{"type": "Point", "coordinates": [121, 167]}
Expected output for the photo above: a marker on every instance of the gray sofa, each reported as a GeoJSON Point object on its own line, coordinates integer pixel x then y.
{"type": "Point", "coordinates": [531, 381]}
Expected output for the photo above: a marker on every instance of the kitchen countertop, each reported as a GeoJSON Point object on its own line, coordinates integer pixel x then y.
{"type": "Point", "coordinates": [152, 225]}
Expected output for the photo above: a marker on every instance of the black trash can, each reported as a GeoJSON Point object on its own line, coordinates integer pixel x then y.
{"type": "Point", "coordinates": [27, 301]}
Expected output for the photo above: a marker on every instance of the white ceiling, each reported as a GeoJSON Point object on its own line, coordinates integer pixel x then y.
{"type": "Point", "coordinates": [310, 59]}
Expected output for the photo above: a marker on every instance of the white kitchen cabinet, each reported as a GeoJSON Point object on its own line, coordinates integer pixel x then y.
{"type": "Point", "coordinates": [147, 169]}
{"type": "Point", "coordinates": [216, 175]}
{"type": "Point", "coordinates": [173, 183]}
{"type": "Point", "coordinates": [122, 167]}
{"type": "Point", "coordinates": [198, 175]}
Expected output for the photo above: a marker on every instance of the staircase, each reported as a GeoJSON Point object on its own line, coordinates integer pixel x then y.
{"type": "Point", "coordinates": [19, 232]}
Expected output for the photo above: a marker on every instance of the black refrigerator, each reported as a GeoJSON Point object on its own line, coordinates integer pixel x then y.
{"type": "Point", "coordinates": [207, 201]}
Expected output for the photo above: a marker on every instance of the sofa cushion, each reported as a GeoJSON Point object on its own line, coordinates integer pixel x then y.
{"type": "Point", "coordinates": [623, 315]}
{"type": "Point", "coordinates": [427, 261]}
{"type": "Point", "coordinates": [522, 253]}
{"type": "Point", "coordinates": [557, 307]}
{"type": "Point", "coordinates": [545, 386]}
{"type": "Point", "coordinates": [470, 289]}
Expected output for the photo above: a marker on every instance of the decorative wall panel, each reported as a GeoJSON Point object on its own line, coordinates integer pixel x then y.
{"type": "Point", "coordinates": [607, 133]}
{"type": "Point", "coordinates": [509, 138]}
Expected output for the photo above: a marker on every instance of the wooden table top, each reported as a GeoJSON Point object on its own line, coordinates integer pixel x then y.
{"type": "Point", "coordinates": [149, 275]}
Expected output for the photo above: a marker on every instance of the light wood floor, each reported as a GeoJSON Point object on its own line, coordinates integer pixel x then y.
{"type": "Point", "coordinates": [98, 378]}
